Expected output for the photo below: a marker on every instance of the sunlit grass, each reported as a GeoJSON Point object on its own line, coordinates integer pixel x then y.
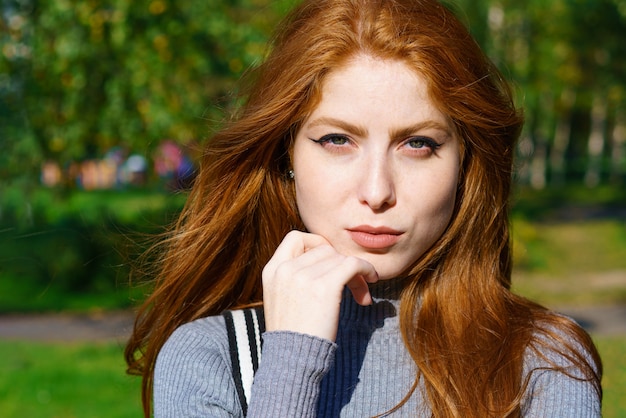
{"type": "Point", "coordinates": [569, 247]}
{"type": "Point", "coordinates": [570, 263]}
{"type": "Point", "coordinates": [613, 353]}
{"type": "Point", "coordinates": [74, 380]}
{"type": "Point", "coordinates": [21, 295]}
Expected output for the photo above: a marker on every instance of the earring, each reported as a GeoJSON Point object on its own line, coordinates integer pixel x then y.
{"type": "Point", "coordinates": [291, 174]}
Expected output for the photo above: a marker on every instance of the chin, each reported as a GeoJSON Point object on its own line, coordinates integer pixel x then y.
{"type": "Point", "coordinates": [387, 273]}
{"type": "Point", "coordinates": [389, 276]}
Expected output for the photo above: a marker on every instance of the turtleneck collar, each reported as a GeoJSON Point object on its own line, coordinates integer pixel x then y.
{"type": "Point", "coordinates": [383, 311]}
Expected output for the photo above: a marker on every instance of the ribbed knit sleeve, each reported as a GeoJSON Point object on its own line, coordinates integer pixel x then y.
{"type": "Point", "coordinates": [193, 375]}
{"type": "Point", "coordinates": [366, 373]}
{"type": "Point", "coordinates": [287, 383]}
{"type": "Point", "coordinates": [555, 393]}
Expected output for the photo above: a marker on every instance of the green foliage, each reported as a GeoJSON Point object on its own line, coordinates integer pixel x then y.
{"type": "Point", "coordinates": [76, 251]}
{"type": "Point", "coordinates": [568, 202]}
{"type": "Point", "coordinates": [78, 77]}
{"type": "Point", "coordinates": [66, 380]}
{"type": "Point", "coordinates": [567, 60]}
{"type": "Point", "coordinates": [61, 250]}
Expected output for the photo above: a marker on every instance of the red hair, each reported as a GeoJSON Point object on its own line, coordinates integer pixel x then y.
{"type": "Point", "coordinates": [465, 330]}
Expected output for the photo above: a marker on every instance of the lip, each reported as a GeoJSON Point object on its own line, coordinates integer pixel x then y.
{"type": "Point", "coordinates": [374, 238]}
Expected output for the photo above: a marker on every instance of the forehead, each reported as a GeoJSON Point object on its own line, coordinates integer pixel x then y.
{"type": "Point", "coordinates": [368, 89]}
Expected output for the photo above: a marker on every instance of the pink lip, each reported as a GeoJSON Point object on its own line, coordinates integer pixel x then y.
{"type": "Point", "coordinates": [374, 238]}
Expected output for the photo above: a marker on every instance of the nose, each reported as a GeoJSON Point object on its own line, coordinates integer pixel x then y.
{"type": "Point", "coordinates": [377, 185]}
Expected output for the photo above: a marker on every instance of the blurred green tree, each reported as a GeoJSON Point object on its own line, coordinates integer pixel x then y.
{"type": "Point", "coordinates": [567, 59]}
{"type": "Point", "coordinates": [80, 76]}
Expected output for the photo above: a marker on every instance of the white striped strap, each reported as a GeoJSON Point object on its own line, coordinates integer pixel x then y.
{"type": "Point", "coordinates": [244, 328]}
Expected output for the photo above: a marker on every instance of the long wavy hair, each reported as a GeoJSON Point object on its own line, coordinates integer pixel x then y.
{"type": "Point", "coordinates": [467, 333]}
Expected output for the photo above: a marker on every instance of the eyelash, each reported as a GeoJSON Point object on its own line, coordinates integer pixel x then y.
{"type": "Point", "coordinates": [428, 142]}
{"type": "Point", "coordinates": [329, 137]}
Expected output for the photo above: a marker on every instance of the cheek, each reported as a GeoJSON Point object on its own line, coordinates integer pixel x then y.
{"type": "Point", "coordinates": [310, 200]}
{"type": "Point", "coordinates": [448, 186]}
{"type": "Point", "coordinates": [441, 199]}
{"type": "Point", "coordinates": [315, 183]}
{"type": "Point", "coordinates": [446, 203]}
{"type": "Point", "coordinates": [320, 199]}
{"type": "Point", "coordinates": [448, 198]}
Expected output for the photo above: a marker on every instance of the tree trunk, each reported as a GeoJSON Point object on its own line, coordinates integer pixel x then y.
{"type": "Point", "coordinates": [539, 162]}
{"type": "Point", "coordinates": [595, 146]}
{"type": "Point", "coordinates": [618, 140]}
{"type": "Point", "coordinates": [562, 134]}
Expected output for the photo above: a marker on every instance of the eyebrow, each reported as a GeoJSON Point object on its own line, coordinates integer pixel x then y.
{"type": "Point", "coordinates": [395, 134]}
{"type": "Point", "coordinates": [338, 123]}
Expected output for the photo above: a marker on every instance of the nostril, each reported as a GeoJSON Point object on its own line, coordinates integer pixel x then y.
{"type": "Point", "coordinates": [378, 195]}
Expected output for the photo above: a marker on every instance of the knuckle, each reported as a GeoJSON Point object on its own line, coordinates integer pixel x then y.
{"type": "Point", "coordinates": [284, 270]}
{"type": "Point", "coordinates": [293, 234]}
{"type": "Point", "coordinates": [266, 273]}
{"type": "Point", "coordinates": [324, 249]}
{"type": "Point", "coordinates": [351, 262]}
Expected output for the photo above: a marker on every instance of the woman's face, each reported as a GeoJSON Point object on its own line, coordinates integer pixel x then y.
{"type": "Point", "coordinates": [376, 165]}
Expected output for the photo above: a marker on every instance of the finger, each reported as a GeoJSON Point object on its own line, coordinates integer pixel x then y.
{"type": "Point", "coordinates": [293, 245]}
{"type": "Point", "coordinates": [299, 242]}
{"type": "Point", "coordinates": [358, 273]}
{"type": "Point", "coordinates": [360, 291]}
{"type": "Point", "coordinates": [363, 268]}
{"type": "Point", "coordinates": [309, 266]}
{"type": "Point", "coordinates": [322, 275]}
{"type": "Point", "coordinates": [316, 258]}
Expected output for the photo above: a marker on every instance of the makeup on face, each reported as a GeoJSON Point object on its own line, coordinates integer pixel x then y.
{"type": "Point", "coordinates": [376, 165]}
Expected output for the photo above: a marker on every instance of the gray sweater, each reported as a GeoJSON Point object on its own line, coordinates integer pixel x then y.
{"type": "Point", "coordinates": [366, 372]}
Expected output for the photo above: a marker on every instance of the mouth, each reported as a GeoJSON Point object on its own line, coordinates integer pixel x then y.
{"type": "Point", "coordinates": [374, 238]}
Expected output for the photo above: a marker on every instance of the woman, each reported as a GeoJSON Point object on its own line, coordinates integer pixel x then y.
{"type": "Point", "coordinates": [380, 135]}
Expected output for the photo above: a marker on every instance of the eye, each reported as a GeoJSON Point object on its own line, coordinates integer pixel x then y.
{"type": "Point", "coordinates": [420, 142]}
{"type": "Point", "coordinates": [332, 139]}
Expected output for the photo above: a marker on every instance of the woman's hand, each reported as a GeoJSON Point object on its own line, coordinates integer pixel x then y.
{"type": "Point", "coordinates": [303, 283]}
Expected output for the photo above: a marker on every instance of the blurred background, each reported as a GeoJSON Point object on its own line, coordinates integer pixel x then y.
{"type": "Point", "coordinates": [105, 104]}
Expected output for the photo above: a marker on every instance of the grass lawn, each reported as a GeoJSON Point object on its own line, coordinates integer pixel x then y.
{"type": "Point", "coordinates": [570, 263]}
{"type": "Point", "coordinates": [74, 380]}
{"type": "Point", "coordinates": [613, 353]}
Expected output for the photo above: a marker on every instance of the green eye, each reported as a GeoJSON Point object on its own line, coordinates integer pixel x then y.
{"type": "Point", "coordinates": [417, 143]}
{"type": "Point", "coordinates": [338, 140]}
{"type": "Point", "coordinates": [333, 139]}
{"type": "Point", "coordinates": [422, 142]}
